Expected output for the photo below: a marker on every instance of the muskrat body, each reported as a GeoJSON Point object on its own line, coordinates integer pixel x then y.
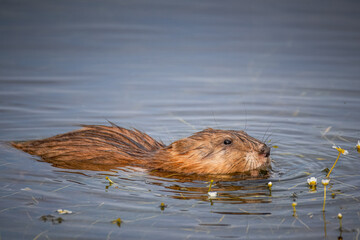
{"type": "Point", "coordinates": [97, 147]}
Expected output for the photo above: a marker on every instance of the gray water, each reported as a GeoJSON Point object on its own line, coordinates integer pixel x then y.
{"type": "Point", "coordinates": [285, 71]}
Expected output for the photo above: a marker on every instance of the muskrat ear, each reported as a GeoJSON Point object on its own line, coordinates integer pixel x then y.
{"type": "Point", "coordinates": [183, 146]}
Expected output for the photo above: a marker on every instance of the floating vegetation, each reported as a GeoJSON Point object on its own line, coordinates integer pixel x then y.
{"type": "Point", "coordinates": [294, 204]}
{"type": "Point", "coordinates": [211, 182]}
{"type": "Point", "coordinates": [162, 206]}
{"type": "Point", "coordinates": [110, 181]}
{"type": "Point", "coordinates": [211, 195]}
{"type": "Point", "coordinates": [117, 221]}
{"type": "Point", "coordinates": [52, 219]}
{"type": "Point", "coordinates": [63, 211]}
{"type": "Point", "coordinates": [269, 186]}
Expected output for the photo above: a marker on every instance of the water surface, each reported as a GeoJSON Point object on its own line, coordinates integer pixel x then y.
{"type": "Point", "coordinates": [283, 71]}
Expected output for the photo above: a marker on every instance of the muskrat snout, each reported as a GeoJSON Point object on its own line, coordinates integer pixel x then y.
{"type": "Point", "coordinates": [265, 151]}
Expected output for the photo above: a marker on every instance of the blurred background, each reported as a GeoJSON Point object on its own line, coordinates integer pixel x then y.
{"type": "Point", "coordinates": [147, 64]}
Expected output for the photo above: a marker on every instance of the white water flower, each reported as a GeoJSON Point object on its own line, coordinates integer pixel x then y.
{"type": "Point", "coordinates": [269, 184]}
{"type": "Point", "coordinates": [358, 146]}
{"type": "Point", "coordinates": [312, 181]}
{"type": "Point", "coordinates": [339, 215]}
{"type": "Point", "coordinates": [325, 182]}
{"type": "Point", "coordinates": [345, 152]}
{"type": "Point", "coordinates": [61, 211]}
{"type": "Point", "coordinates": [212, 194]}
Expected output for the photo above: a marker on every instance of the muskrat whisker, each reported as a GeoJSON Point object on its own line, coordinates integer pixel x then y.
{"type": "Point", "coordinates": [248, 163]}
{"type": "Point", "coordinates": [273, 143]}
{"type": "Point", "coordinates": [252, 165]}
{"type": "Point", "coordinates": [265, 133]}
{"type": "Point", "coordinates": [267, 138]}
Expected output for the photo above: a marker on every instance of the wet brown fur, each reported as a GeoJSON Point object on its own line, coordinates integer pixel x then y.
{"type": "Point", "coordinates": [96, 147]}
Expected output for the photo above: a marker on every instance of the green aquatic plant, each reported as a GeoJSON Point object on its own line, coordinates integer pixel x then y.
{"type": "Point", "coordinates": [211, 182]}
{"type": "Point", "coordinates": [211, 194]}
{"type": "Point", "coordinates": [117, 221]}
{"type": "Point", "coordinates": [341, 151]}
{"type": "Point", "coordinates": [325, 182]}
{"type": "Point", "coordinates": [294, 204]}
{"type": "Point", "coordinates": [162, 206]}
{"type": "Point", "coordinates": [63, 211]}
{"type": "Point", "coordinates": [340, 220]}
{"type": "Point", "coordinates": [110, 181]}
{"type": "Point", "coordinates": [269, 186]}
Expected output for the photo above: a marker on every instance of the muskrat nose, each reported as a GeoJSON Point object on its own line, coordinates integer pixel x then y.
{"type": "Point", "coordinates": [265, 150]}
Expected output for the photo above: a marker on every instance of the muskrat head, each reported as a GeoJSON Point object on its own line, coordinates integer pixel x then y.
{"type": "Point", "coordinates": [218, 152]}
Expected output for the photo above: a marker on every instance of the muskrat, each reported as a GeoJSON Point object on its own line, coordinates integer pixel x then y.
{"type": "Point", "coordinates": [97, 147]}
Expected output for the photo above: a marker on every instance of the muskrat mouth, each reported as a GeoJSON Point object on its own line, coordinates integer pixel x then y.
{"type": "Point", "coordinates": [263, 159]}
{"type": "Point", "coordinates": [265, 151]}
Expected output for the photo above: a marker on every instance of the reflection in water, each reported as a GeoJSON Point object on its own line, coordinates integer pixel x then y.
{"type": "Point", "coordinates": [162, 206]}
{"type": "Point", "coordinates": [52, 219]}
{"type": "Point", "coordinates": [230, 189]}
{"type": "Point", "coordinates": [324, 219]}
{"type": "Point", "coordinates": [224, 195]}
{"type": "Point", "coordinates": [117, 221]}
{"type": "Point", "coordinates": [169, 176]}
{"type": "Point", "coordinates": [243, 213]}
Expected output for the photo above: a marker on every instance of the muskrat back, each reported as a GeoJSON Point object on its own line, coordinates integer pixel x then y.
{"type": "Point", "coordinates": [97, 147]}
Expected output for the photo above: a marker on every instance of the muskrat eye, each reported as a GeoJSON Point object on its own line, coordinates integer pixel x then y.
{"type": "Point", "coordinates": [227, 141]}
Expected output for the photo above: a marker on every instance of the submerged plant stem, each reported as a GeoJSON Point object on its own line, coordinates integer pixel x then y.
{"type": "Point", "coordinates": [340, 220]}
{"type": "Point", "coordinates": [211, 182]}
{"type": "Point", "coordinates": [324, 198]}
{"type": "Point", "coordinates": [333, 165]}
